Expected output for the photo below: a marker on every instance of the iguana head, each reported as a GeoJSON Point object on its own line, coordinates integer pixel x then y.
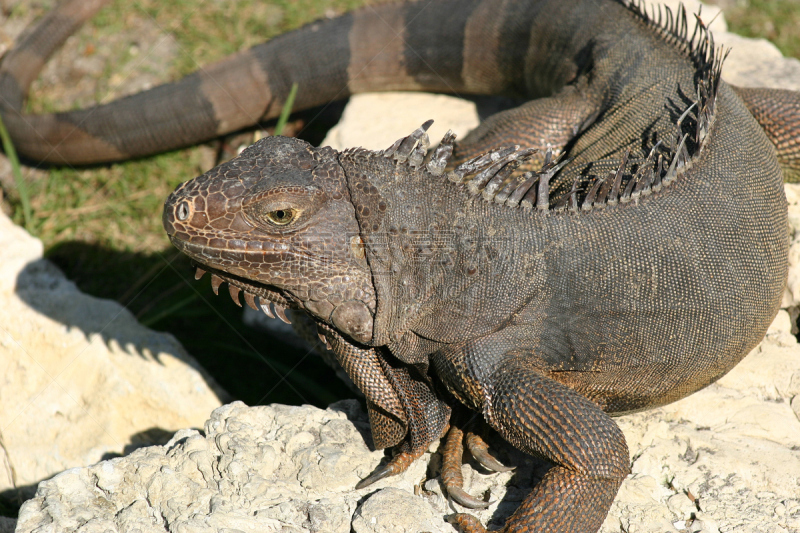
{"type": "Point", "coordinates": [351, 237]}
{"type": "Point", "coordinates": [277, 223]}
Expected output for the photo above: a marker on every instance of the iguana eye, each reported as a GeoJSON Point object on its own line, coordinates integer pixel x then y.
{"type": "Point", "coordinates": [282, 217]}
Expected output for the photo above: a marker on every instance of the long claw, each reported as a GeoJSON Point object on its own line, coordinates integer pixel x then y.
{"type": "Point", "coordinates": [216, 281]}
{"type": "Point", "coordinates": [379, 474]}
{"type": "Point", "coordinates": [465, 499]}
{"type": "Point", "coordinates": [396, 465]}
{"type": "Point", "coordinates": [451, 470]}
{"type": "Point", "coordinates": [281, 312]}
{"type": "Point", "coordinates": [199, 273]}
{"type": "Point", "coordinates": [480, 451]}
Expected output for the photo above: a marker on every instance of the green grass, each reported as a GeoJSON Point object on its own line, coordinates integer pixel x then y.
{"type": "Point", "coordinates": [280, 125]}
{"type": "Point", "coordinates": [775, 20]}
{"type": "Point", "coordinates": [19, 181]}
{"type": "Point", "coordinates": [102, 225]}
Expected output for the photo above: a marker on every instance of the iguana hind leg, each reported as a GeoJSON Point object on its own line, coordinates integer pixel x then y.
{"type": "Point", "coordinates": [542, 123]}
{"type": "Point", "coordinates": [547, 419]}
{"type": "Point", "coordinates": [778, 112]}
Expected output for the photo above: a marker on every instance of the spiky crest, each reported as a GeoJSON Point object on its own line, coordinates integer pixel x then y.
{"type": "Point", "coordinates": [492, 175]}
{"type": "Point", "coordinates": [674, 29]}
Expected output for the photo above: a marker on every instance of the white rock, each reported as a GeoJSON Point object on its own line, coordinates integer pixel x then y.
{"type": "Point", "coordinates": [392, 510]}
{"type": "Point", "coordinates": [272, 468]}
{"type": "Point", "coordinates": [757, 63]}
{"type": "Point", "coordinates": [791, 297]}
{"type": "Point", "coordinates": [80, 378]}
{"type": "Point", "coordinates": [400, 113]}
{"type": "Point", "coordinates": [719, 460]}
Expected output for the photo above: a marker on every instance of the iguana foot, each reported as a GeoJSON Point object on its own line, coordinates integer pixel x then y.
{"type": "Point", "coordinates": [396, 465]}
{"type": "Point", "coordinates": [466, 523]}
{"type": "Point", "coordinates": [480, 451]}
{"type": "Point", "coordinates": [451, 470]}
{"type": "Point", "coordinates": [563, 502]}
{"type": "Point", "coordinates": [451, 465]}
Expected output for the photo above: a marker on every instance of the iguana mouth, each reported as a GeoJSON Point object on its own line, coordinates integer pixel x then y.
{"type": "Point", "coordinates": [269, 297]}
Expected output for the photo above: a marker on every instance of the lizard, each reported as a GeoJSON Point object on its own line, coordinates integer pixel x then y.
{"type": "Point", "coordinates": [567, 261]}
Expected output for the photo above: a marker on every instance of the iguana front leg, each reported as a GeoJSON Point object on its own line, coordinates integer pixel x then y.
{"type": "Point", "coordinates": [547, 419]}
{"type": "Point", "coordinates": [404, 411]}
{"type": "Point", "coordinates": [427, 416]}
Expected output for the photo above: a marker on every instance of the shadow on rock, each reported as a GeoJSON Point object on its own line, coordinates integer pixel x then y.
{"type": "Point", "coordinates": [158, 290]}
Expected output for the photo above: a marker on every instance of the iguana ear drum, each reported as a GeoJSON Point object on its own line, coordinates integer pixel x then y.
{"type": "Point", "coordinates": [354, 320]}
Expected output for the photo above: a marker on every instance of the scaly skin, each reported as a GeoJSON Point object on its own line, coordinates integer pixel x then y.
{"type": "Point", "coordinates": [639, 267]}
{"type": "Point", "coordinates": [545, 301]}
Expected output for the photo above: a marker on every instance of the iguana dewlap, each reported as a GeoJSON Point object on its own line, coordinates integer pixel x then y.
{"type": "Point", "coordinates": [614, 244]}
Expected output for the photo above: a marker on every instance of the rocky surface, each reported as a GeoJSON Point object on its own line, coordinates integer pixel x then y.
{"type": "Point", "coordinates": [269, 469]}
{"type": "Point", "coordinates": [723, 459]}
{"type": "Point", "coordinates": [80, 378]}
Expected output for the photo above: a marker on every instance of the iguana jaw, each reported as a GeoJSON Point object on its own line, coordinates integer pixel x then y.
{"type": "Point", "coordinates": [277, 223]}
{"type": "Point", "coordinates": [258, 296]}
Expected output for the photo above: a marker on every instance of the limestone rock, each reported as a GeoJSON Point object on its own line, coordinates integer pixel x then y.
{"type": "Point", "coordinates": [80, 378]}
{"type": "Point", "coordinates": [791, 298]}
{"type": "Point", "coordinates": [726, 452]}
{"type": "Point", "coordinates": [757, 63]}
{"type": "Point", "coordinates": [392, 510]}
{"type": "Point", "coordinates": [401, 113]}
{"type": "Point", "coordinates": [719, 460]}
{"type": "Point", "coordinates": [267, 469]}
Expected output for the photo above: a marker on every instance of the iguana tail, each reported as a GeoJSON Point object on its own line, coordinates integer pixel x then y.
{"type": "Point", "coordinates": [369, 49]}
{"type": "Point", "coordinates": [453, 46]}
{"type": "Point", "coordinates": [234, 93]}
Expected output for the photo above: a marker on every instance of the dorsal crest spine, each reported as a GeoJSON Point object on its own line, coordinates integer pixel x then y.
{"type": "Point", "coordinates": [495, 177]}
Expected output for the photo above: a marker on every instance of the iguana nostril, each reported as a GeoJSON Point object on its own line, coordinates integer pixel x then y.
{"type": "Point", "coordinates": [183, 211]}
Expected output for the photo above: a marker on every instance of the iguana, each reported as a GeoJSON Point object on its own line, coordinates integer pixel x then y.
{"type": "Point", "coordinates": [614, 244]}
